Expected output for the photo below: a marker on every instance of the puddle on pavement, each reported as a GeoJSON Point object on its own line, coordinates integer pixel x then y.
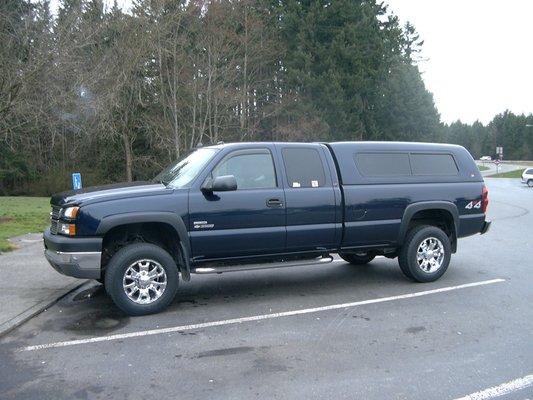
{"type": "Point", "coordinates": [415, 329]}
{"type": "Point", "coordinates": [97, 322]}
{"type": "Point", "coordinates": [225, 352]}
{"type": "Point", "coordinates": [87, 311]}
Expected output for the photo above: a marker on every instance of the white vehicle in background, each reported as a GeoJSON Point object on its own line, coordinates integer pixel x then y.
{"type": "Point", "coordinates": [486, 158]}
{"type": "Point", "coordinates": [527, 177]}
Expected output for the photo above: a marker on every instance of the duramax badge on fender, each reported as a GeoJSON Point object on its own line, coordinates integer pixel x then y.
{"type": "Point", "coordinates": [243, 206]}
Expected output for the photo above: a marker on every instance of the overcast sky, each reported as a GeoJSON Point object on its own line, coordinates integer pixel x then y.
{"type": "Point", "coordinates": [479, 54]}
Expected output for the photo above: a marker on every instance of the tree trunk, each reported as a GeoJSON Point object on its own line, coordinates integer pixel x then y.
{"type": "Point", "coordinates": [128, 156]}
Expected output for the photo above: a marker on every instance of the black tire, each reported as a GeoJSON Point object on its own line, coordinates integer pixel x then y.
{"type": "Point", "coordinates": [408, 253]}
{"type": "Point", "coordinates": [530, 182]}
{"type": "Point", "coordinates": [121, 261]}
{"type": "Point", "coordinates": [357, 259]}
{"type": "Point", "coordinates": [405, 269]}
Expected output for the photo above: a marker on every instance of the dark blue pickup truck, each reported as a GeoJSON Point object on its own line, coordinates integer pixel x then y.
{"type": "Point", "coordinates": [245, 206]}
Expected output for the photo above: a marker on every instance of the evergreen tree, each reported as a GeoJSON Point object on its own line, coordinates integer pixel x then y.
{"type": "Point", "coordinates": [405, 110]}
{"type": "Point", "coordinates": [117, 95]}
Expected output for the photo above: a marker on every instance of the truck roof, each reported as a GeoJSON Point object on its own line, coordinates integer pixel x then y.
{"type": "Point", "coordinates": [361, 145]}
{"type": "Point", "coordinates": [397, 146]}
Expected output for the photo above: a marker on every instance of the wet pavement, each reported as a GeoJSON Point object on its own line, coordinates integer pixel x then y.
{"type": "Point", "coordinates": [329, 331]}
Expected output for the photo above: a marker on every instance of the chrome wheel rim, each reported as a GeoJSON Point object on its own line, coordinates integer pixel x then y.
{"type": "Point", "coordinates": [430, 255]}
{"type": "Point", "coordinates": [144, 281]}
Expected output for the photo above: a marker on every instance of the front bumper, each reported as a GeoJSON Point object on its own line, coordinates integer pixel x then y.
{"type": "Point", "coordinates": [78, 265]}
{"type": "Point", "coordinates": [485, 227]}
{"type": "Point", "coordinates": [77, 257]}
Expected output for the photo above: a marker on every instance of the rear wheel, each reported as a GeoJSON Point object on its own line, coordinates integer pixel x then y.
{"type": "Point", "coordinates": [141, 279]}
{"type": "Point", "coordinates": [426, 253]}
{"type": "Point", "coordinates": [357, 258]}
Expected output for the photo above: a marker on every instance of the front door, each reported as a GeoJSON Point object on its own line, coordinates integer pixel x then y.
{"type": "Point", "coordinates": [249, 221]}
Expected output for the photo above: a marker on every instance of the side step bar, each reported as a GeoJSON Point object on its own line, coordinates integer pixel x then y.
{"type": "Point", "coordinates": [216, 269]}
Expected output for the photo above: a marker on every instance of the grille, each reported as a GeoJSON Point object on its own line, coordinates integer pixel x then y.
{"type": "Point", "coordinates": [53, 227]}
{"type": "Point", "coordinates": [54, 216]}
{"type": "Point", "coordinates": [55, 212]}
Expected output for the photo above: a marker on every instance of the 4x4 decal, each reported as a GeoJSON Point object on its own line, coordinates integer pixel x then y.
{"type": "Point", "coordinates": [473, 204]}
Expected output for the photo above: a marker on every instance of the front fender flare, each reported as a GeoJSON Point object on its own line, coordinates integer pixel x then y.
{"type": "Point", "coordinates": [166, 217]}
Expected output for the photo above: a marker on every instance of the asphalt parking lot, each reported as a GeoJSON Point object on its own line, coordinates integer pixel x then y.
{"type": "Point", "coordinates": [334, 332]}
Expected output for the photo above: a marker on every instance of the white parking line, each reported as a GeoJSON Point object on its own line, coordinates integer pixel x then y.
{"type": "Point", "coordinates": [254, 318]}
{"type": "Point", "coordinates": [500, 390]}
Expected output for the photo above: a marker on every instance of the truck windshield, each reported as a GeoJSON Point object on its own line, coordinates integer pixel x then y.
{"type": "Point", "coordinates": [183, 171]}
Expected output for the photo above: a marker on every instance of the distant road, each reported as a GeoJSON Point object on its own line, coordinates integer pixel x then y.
{"type": "Point", "coordinates": [503, 167]}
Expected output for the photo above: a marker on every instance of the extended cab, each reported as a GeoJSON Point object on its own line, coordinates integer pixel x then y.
{"type": "Point", "coordinates": [246, 206]}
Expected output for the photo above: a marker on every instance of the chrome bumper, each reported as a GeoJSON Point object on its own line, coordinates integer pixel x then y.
{"type": "Point", "coordinates": [84, 265]}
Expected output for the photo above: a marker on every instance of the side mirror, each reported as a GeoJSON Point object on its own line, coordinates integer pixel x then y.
{"type": "Point", "coordinates": [224, 183]}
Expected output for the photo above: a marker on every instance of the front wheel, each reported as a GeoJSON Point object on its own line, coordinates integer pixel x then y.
{"type": "Point", "coordinates": [357, 258]}
{"type": "Point", "coordinates": [530, 183]}
{"type": "Point", "coordinates": [425, 254]}
{"type": "Point", "coordinates": [141, 279]}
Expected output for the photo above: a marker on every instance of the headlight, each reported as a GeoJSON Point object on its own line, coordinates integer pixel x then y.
{"type": "Point", "coordinates": [70, 212]}
{"type": "Point", "coordinates": [66, 229]}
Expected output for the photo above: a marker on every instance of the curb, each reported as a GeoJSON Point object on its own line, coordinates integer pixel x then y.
{"type": "Point", "coordinates": [38, 308]}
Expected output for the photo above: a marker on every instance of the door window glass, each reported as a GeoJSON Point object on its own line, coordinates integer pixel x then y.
{"type": "Point", "coordinates": [252, 171]}
{"type": "Point", "coordinates": [303, 167]}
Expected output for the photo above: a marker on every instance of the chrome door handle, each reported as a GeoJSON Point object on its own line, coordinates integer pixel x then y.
{"type": "Point", "coordinates": [274, 203]}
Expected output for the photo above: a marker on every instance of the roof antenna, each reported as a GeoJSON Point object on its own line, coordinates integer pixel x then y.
{"type": "Point", "coordinates": [199, 145]}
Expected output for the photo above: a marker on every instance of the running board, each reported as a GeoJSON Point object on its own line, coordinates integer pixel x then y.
{"type": "Point", "coordinates": [250, 267]}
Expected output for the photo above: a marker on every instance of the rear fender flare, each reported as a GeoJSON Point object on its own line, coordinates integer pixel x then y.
{"type": "Point", "coordinates": [412, 209]}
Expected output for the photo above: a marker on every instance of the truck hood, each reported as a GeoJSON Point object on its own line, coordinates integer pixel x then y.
{"type": "Point", "coordinates": [108, 192]}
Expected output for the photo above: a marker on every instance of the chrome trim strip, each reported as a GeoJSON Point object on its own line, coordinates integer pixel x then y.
{"type": "Point", "coordinates": [80, 253]}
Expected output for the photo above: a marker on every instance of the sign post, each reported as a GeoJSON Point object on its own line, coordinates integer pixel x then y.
{"type": "Point", "coordinates": [76, 181]}
{"type": "Point", "coordinates": [499, 151]}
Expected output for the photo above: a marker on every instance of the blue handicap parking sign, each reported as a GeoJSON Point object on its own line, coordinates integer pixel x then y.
{"type": "Point", "coordinates": [76, 180]}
